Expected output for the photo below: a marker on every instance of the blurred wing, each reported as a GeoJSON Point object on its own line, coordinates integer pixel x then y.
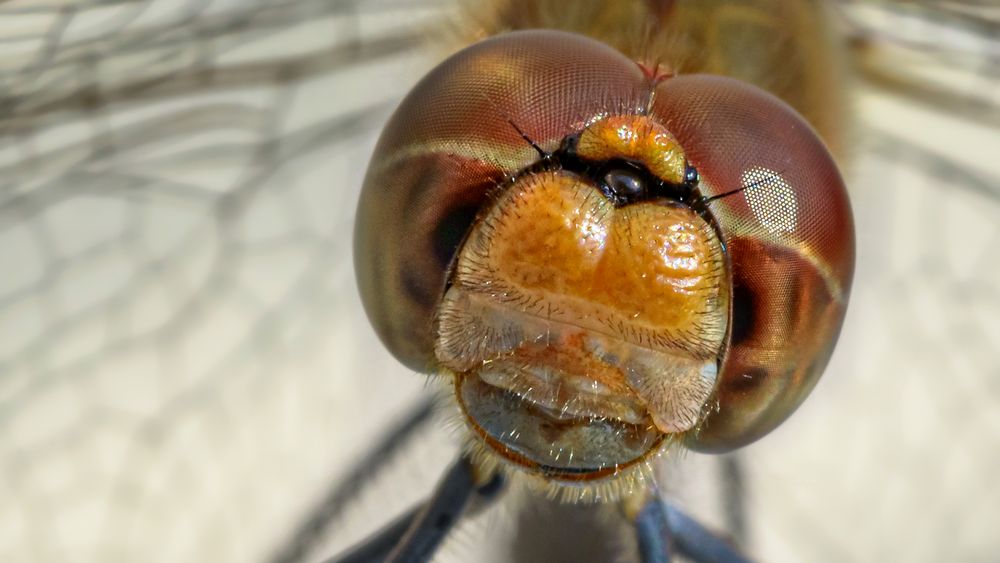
{"type": "Point", "coordinates": [178, 320]}
{"type": "Point", "coordinates": [903, 431]}
{"type": "Point", "coordinates": [185, 368]}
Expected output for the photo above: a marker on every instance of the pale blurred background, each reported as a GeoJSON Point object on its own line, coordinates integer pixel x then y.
{"type": "Point", "coordinates": [186, 372]}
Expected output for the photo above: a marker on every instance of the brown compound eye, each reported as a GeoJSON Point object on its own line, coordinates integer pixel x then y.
{"type": "Point", "coordinates": [598, 303]}
{"type": "Point", "coordinates": [789, 235]}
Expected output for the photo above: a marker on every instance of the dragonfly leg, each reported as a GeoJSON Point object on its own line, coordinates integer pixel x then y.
{"type": "Point", "coordinates": [377, 546]}
{"type": "Point", "coordinates": [305, 535]}
{"type": "Point", "coordinates": [734, 497]}
{"type": "Point", "coordinates": [415, 536]}
{"type": "Point", "coordinates": [663, 529]}
{"type": "Point", "coordinates": [653, 532]}
{"type": "Point", "coordinates": [697, 542]}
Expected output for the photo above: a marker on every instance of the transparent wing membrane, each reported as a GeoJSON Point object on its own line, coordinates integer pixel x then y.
{"type": "Point", "coordinates": [186, 373]}
{"type": "Point", "coordinates": [177, 309]}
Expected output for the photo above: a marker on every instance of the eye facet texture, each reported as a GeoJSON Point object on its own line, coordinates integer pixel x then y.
{"type": "Point", "coordinates": [790, 240]}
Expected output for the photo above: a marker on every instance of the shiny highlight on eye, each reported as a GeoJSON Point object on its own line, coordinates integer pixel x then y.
{"type": "Point", "coordinates": [771, 199]}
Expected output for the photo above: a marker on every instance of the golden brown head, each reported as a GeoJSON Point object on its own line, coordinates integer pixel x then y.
{"type": "Point", "coordinates": [604, 263]}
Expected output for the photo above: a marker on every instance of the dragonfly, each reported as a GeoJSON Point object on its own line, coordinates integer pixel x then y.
{"type": "Point", "coordinates": [185, 372]}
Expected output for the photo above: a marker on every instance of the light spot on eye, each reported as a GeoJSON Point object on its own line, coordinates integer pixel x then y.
{"type": "Point", "coordinates": [771, 199]}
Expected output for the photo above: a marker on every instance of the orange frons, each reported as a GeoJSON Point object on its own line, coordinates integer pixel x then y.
{"type": "Point", "coordinates": [654, 265]}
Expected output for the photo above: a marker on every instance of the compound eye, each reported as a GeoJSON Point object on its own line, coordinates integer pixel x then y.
{"type": "Point", "coordinates": [779, 202]}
